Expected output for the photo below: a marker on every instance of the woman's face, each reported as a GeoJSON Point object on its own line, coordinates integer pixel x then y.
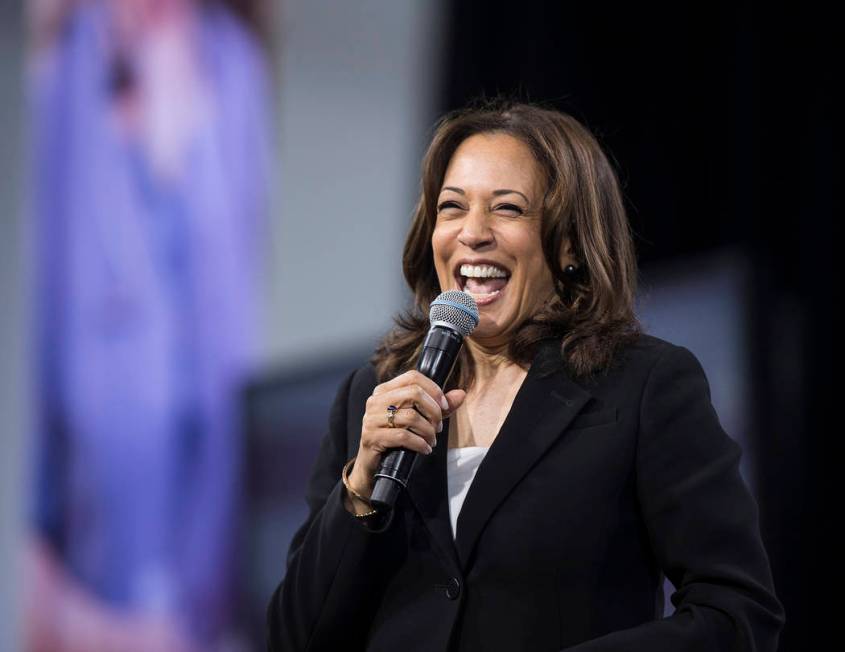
{"type": "Point", "coordinates": [486, 239]}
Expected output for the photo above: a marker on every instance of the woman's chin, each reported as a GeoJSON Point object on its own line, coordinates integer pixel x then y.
{"type": "Point", "coordinates": [489, 330]}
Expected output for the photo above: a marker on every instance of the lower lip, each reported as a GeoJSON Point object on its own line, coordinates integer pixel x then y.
{"type": "Point", "coordinates": [487, 299]}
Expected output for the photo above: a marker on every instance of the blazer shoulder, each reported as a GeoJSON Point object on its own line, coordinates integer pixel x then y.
{"type": "Point", "coordinates": [642, 353]}
{"type": "Point", "coordinates": [652, 344]}
{"type": "Point", "coordinates": [660, 359]}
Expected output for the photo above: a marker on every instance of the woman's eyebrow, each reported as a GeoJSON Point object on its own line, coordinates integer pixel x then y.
{"type": "Point", "coordinates": [496, 193]}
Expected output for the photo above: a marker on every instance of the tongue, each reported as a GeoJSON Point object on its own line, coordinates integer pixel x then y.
{"type": "Point", "coordinates": [484, 285]}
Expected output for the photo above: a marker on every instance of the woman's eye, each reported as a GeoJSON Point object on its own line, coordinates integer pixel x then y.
{"type": "Point", "coordinates": [507, 207]}
{"type": "Point", "coordinates": [446, 204]}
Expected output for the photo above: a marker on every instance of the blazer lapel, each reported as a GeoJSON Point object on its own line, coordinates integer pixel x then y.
{"type": "Point", "coordinates": [428, 490]}
{"type": "Point", "coordinates": [544, 406]}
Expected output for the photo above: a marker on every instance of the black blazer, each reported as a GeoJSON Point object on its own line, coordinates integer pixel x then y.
{"type": "Point", "coordinates": [588, 495]}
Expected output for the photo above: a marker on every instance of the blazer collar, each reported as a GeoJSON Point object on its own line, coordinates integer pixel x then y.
{"type": "Point", "coordinates": [544, 406]}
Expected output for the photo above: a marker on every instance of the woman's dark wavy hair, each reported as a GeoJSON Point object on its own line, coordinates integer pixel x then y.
{"type": "Point", "coordinates": [592, 314]}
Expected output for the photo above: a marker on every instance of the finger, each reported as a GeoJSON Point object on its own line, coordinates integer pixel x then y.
{"type": "Point", "coordinates": [407, 439]}
{"type": "Point", "coordinates": [456, 398]}
{"type": "Point", "coordinates": [393, 383]}
{"type": "Point", "coordinates": [407, 418]}
{"type": "Point", "coordinates": [414, 396]}
{"type": "Point", "coordinates": [415, 377]}
{"type": "Point", "coordinates": [421, 426]}
{"type": "Point", "coordinates": [410, 396]}
{"type": "Point", "coordinates": [432, 388]}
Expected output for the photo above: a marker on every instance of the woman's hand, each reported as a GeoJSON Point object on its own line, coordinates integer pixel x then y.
{"type": "Point", "coordinates": [414, 429]}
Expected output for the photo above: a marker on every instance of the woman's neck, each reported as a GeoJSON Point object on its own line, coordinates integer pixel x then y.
{"type": "Point", "coordinates": [492, 366]}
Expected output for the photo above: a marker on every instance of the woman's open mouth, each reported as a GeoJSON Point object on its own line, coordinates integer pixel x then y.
{"type": "Point", "coordinates": [485, 282]}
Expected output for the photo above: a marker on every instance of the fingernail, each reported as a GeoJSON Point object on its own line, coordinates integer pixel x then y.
{"type": "Point", "coordinates": [444, 403]}
{"type": "Point", "coordinates": [435, 442]}
{"type": "Point", "coordinates": [439, 426]}
{"type": "Point", "coordinates": [429, 449]}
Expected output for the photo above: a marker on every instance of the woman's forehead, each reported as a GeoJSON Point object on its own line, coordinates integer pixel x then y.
{"type": "Point", "coordinates": [484, 164]}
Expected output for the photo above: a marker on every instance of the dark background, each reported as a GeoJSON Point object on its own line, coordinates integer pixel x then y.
{"type": "Point", "coordinates": [720, 124]}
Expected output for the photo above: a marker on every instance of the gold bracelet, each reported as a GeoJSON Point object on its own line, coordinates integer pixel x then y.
{"type": "Point", "coordinates": [344, 476]}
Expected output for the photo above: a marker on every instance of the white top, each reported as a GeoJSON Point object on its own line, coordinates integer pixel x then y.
{"type": "Point", "coordinates": [461, 465]}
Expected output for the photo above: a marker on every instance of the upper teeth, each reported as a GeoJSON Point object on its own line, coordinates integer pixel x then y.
{"type": "Point", "coordinates": [482, 271]}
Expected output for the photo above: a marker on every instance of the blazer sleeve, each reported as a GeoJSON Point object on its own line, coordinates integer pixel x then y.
{"type": "Point", "coordinates": [333, 559]}
{"type": "Point", "coordinates": [702, 523]}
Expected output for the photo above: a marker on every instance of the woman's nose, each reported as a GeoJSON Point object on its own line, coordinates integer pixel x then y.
{"type": "Point", "coordinates": [475, 230]}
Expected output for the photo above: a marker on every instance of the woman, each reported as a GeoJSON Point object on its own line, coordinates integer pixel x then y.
{"type": "Point", "coordinates": [604, 463]}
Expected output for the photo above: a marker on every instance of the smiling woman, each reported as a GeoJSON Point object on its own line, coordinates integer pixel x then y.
{"type": "Point", "coordinates": [486, 237]}
{"type": "Point", "coordinates": [562, 498]}
{"type": "Point", "coordinates": [528, 190]}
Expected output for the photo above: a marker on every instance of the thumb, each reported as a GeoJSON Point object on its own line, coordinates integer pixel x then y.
{"type": "Point", "coordinates": [455, 398]}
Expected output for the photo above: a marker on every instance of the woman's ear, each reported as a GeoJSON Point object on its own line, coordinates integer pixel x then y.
{"type": "Point", "coordinates": [566, 255]}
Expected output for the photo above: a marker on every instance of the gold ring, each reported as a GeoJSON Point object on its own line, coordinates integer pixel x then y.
{"type": "Point", "coordinates": [391, 415]}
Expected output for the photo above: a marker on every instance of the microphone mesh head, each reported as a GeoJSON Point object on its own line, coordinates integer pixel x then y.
{"type": "Point", "coordinates": [456, 308]}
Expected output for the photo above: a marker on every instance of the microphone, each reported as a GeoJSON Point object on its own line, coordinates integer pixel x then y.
{"type": "Point", "coordinates": [453, 315]}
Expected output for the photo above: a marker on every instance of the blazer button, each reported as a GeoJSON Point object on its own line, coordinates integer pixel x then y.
{"type": "Point", "coordinates": [453, 588]}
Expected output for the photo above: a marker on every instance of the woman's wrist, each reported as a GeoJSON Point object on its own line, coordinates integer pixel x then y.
{"type": "Point", "coordinates": [361, 482]}
{"type": "Point", "coordinates": [355, 502]}
{"type": "Point", "coordinates": [354, 505]}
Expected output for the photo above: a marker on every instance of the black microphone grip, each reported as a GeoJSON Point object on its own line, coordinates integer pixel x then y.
{"type": "Point", "coordinates": [439, 354]}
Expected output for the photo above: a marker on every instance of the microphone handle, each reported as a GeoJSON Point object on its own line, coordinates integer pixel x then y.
{"type": "Point", "coordinates": [439, 354]}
